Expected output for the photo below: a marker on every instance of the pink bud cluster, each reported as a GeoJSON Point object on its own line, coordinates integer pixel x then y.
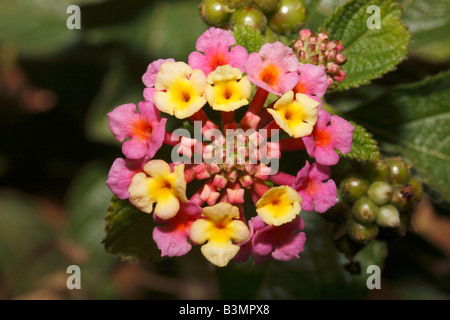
{"type": "Point", "coordinates": [320, 50]}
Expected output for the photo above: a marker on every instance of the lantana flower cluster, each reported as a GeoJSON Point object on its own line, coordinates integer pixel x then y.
{"type": "Point", "coordinates": [220, 76]}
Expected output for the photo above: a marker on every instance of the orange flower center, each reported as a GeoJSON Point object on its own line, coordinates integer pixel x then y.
{"type": "Point", "coordinates": [217, 59]}
{"type": "Point", "coordinates": [322, 138]}
{"type": "Point", "coordinates": [142, 129]}
{"type": "Point", "coordinates": [300, 88]}
{"type": "Point", "coordinates": [270, 74]}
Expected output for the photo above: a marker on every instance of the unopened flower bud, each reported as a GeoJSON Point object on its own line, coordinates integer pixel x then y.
{"type": "Point", "coordinates": [417, 189]}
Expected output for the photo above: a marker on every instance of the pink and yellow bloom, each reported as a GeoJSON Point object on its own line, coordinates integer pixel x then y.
{"type": "Point", "coordinates": [215, 44]}
{"type": "Point", "coordinates": [283, 243]}
{"type": "Point", "coordinates": [121, 173]}
{"type": "Point", "coordinates": [296, 117]}
{"type": "Point", "coordinates": [171, 236]}
{"type": "Point", "coordinates": [180, 91]}
{"type": "Point", "coordinates": [312, 81]}
{"type": "Point", "coordinates": [227, 90]}
{"type": "Point", "coordinates": [329, 134]}
{"type": "Point", "coordinates": [149, 78]}
{"type": "Point", "coordinates": [221, 228]}
{"type": "Point", "coordinates": [279, 205]}
{"type": "Point", "coordinates": [274, 68]}
{"type": "Point", "coordinates": [158, 184]}
{"type": "Point", "coordinates": [317, 194]}
{"type": "Point", "coordinates": [145, 129]}
{"type": "Point", "coordinates": [228, 170]}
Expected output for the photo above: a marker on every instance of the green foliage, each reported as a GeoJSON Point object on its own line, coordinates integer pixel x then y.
{"type": "Point", "coordinates": [36, 28]}
{"type": "Point", "coordinates": [248, 37]}
{"type": "Point", "coordinates": [364, 147]}
{"type": "Point", "coordinates": [119, 87]}
{"type": "Point", "coordinates": [371, 52]}
{"type": "Point", "coordinates": [164, 29]}
{"type": "Point", "coordinates": [129, 232]}
{"type": "Point", "coordinates": [429, 22]}
{"type": "Point", "coordinates": [414, 119]}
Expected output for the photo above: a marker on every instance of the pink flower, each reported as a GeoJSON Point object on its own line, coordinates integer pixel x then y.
{"type": "Point", "coordinates": [309, 183]}
{"type": "Point", "coordinates": [215, 44]}
{"type": "Point", "coordinates": [121, 173]}
{"type": "Point", "coordinates": [149, 77]}
{"type": "Point", "coordinates": [145, 129]}
{"type": "Point", "coordinates": [325, 138]}
{"type": "Point", "coordinates": [284, 242]}
{"type": "Point", "coordinates": [171, 236]}
{"type": "Point", "coordinates": [312, 81]}
{"type": "Point", "coordinates": [274, 68]}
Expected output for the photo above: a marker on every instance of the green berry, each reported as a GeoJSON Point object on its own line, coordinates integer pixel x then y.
{"type": "Point", "coordinates": [337, 213]}
{"type": "Point", "coordinates": [364, 210]}
{"type": "Point", "coordinates": [399, 198]}
{"type": "Point", "coordinates": [388, 216]}
{"type": "Point", "coordinates": [248, 16]}
{"type": "Point", "coordinates": [214, 12]}
{"type": "Point", "coordinates": [380, 192]}
{"type": "Point", "coordinates": [348, 246]}
{"type": "Point", "coordinates": [236, 4]}
{"type": "Point", "coordinates": [399, 170]}
{"type": "Point", "coordinates": [417, 189]}
{"type": "Point", "coordinates": [289, 17]}
{"type": "Point", "coordinates": [270, 36]}
{"type": "Point", "coordinates": [353, 187]}
{"type": "Point", "coordinates": [376, 170]}
{"type": "Point", "coordinates": [267, 5]}
{"type": "Point", "coordinates": [361, 233]}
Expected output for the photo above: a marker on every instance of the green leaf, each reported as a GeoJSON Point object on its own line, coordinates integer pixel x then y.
{"type": "Point", "coordinates": [414, 120]}
{"type": "Point", "coordinates": [165, 29]}
{"type": "Point", "coordinates": [248, 37]}
{"type": "Point", "coordinates": [371, 52]}
{"type": "Point", "coordinates": [119, 87]}
{"type": "Point", "coordinates": [429, 22]}
{"type": "Point", "coordinates": [318, 10]}
{"type": "Point", "coordinates": [35, 27]}
{"type": "Point", "coordinates": [364, 147]}
{"type": "Point", "coordinates": [86, 202]}
{"type": "Point", "coordinates": [129, 232]}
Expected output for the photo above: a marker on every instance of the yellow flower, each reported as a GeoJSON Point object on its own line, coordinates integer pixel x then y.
{"type": "Point", "coordinates": [220, 227]}
{"type": "Point", "coordinates": [158, 184]}
{"type": "Point", "coordinates": [227, 90]}
{"type": "Point", "coordinates": [180, 90]}
{"type": "Point", "coordinates": [296, 117]}
{"type": "Point", "coordinates": [279, 205]}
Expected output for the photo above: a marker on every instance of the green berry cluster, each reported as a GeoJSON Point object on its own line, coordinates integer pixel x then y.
{"type": "Point", "coordinates": [283, 17]}
{"type": "Point", "coordinates": [375, 202]}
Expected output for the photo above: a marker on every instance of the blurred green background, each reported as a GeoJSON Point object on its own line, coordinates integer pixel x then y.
{"type": "Point", "coordinates": [56, 86]}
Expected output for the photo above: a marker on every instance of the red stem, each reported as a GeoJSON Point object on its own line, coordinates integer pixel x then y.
{"type": "Point", "coordinates": [291, 144]}
{"type": "Point", "coordinates": [282, 178]}
{"type": "Point", "coordinates": [258, 101]}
